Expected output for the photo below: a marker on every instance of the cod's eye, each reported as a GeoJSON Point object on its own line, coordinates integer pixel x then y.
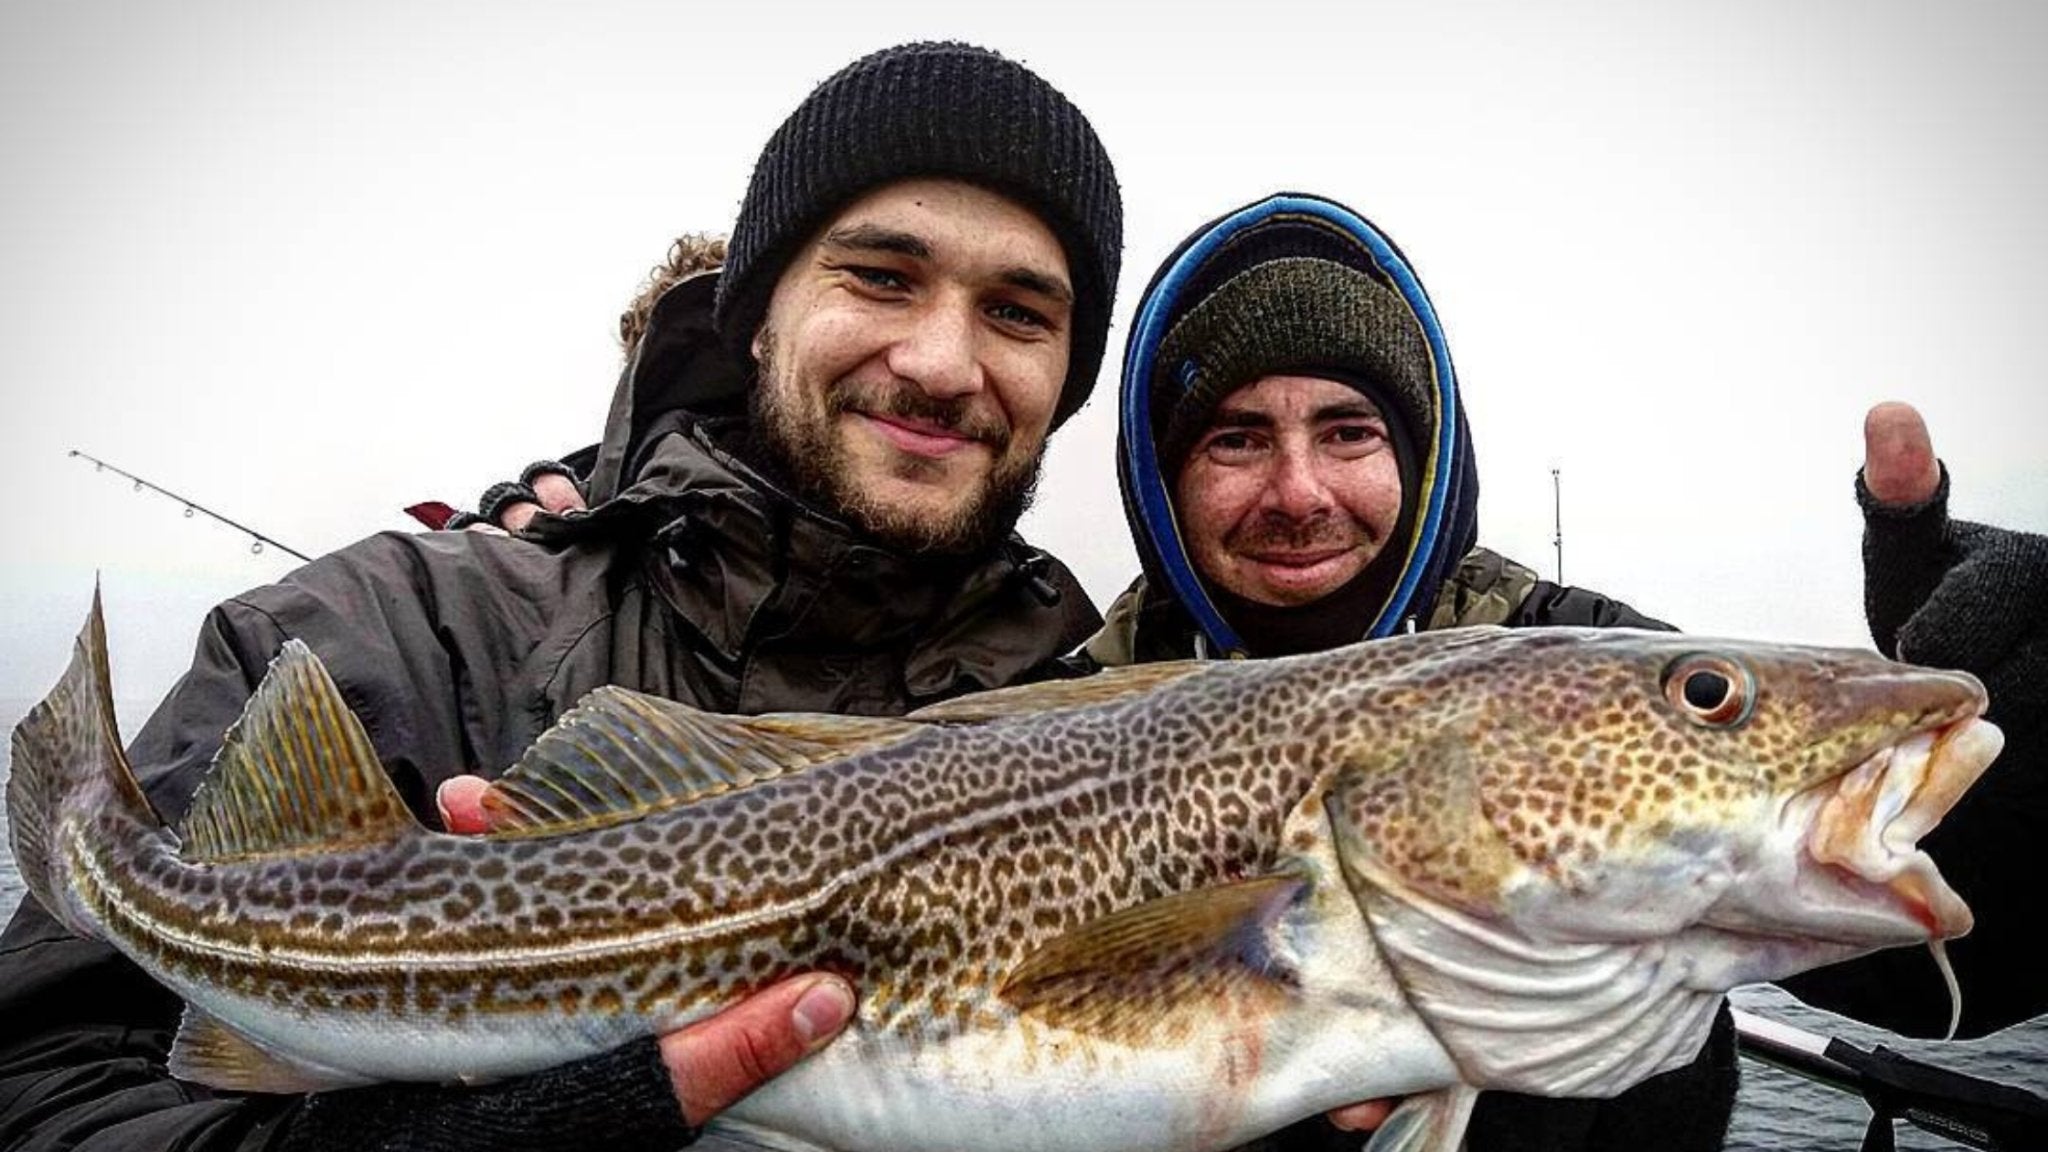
{"type": "Point", "coordinates": [1713, 691]}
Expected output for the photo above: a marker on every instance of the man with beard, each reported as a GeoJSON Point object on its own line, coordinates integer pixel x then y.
{"type": "Point", "coordinates": [804, 501]}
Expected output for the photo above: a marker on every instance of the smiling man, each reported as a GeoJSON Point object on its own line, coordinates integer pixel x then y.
{"type": "Point", "coordinates": [1298, 475]}
{"type": "Point", "coordinates": [1291, 491]}
{"type": "Point", "coordinates": [805, 500]}
{"type": "Point", "coordinates": [1294, 457]}
{"type": "Point", "coordinates": [911, 360]}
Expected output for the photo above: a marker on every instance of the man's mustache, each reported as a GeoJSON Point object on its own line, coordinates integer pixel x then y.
{"type": "Point", "coordinates": [1271, 533]}
{"type": "Point", "coordinates": [956, 415]}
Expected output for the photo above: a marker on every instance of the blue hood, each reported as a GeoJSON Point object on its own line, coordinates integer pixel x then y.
{"type": "Point", "coordinates": [1443, 498]}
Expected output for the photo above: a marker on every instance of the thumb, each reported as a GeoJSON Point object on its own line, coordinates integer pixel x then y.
{"type": "Point", "coordinates": [1899, 466]}
{"type": "Point", "coordinates": [716, 1061]}
{"type": "Point", "coordinates": [460, 800]}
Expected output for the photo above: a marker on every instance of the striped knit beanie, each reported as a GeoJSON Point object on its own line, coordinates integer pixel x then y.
{"type": "Point", "coordinates": [944, 110]}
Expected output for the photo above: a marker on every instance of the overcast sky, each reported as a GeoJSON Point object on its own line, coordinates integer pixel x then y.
{"type": "Point", "coordinates": [309, 263]}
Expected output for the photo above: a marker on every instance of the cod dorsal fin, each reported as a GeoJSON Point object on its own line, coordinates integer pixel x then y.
{"type": "Point", "coordinates": [209, 1052]}
{"type": "Point", "coordinates": [296, 774]}
{"type": "Point", "coordinates": [620, 755]}
{"type": "Point", "coordinates": [1126, 970]}
{"type": "Point", "coordinates": [1104, 687]}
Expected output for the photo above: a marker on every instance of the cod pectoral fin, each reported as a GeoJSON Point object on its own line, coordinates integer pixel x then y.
{"type": "Point", "coordinates": [295, 774]}
{"type": "Point", "coordinates": [209, 1052]}
{"type": "Point", "coordinates": [1127, 971]}
{"type": "Point", "coordinates": [620, 755]}
{"type": "Point", "coordinates": [1427, 1122]}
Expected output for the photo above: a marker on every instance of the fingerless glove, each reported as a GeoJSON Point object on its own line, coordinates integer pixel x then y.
{"type": "Point", "coordinates": [621, 1101]}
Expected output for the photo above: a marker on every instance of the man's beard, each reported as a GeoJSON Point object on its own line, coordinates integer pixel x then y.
{"type": "Point", "coordinates": [810, 456]}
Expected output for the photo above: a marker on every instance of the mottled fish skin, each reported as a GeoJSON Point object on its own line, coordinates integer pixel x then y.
{"type": "Point", "coordinates": [1310, 825]}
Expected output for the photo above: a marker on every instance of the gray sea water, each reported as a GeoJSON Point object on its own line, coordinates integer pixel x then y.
{"type": "Point", "coordinates": [1775, 1112]}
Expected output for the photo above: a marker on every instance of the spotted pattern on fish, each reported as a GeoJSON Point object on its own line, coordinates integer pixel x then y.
{"type": "Point", "coordinates": [950, 873]}
{"type": "Point", "coordinates": [941, 863]}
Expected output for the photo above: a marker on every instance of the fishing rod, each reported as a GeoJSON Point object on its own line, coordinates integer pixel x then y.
{"type": "Point", "coordinates": [1973, 1112]}
{"type": "Point", "coordinates": [258, 539]}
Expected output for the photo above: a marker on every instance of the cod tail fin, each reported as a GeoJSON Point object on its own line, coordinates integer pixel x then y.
{"type": "Point", "coordinates": [67, 761]}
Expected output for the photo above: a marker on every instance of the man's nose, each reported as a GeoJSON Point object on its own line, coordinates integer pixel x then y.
{"type": "Point", "coordinates": [1294, 488]}
{"type": "Point", "coordinates": [938, 351]}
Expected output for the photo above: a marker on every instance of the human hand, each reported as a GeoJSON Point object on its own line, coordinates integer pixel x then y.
{"type": "Point", "coordinates": [544, 486]}
{"type": "Point", "coordinates": [1947, 593]}
{"type": "Point", "coordinates": [1363, 1117]}
{"type": "Point", "coordinates": [720, 1059]}
{"type": "Point", "coordinates": [715, 1061]}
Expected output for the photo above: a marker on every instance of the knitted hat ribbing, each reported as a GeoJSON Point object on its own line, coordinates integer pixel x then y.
{"type": "Point", "coordinates": [1299, 315]}
{"type": "Point", "coordinates": [932, 110]}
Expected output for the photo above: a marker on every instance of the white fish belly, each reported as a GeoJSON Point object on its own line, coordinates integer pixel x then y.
{"type": "Point", "coordinates": [1032, 1088]}
{"type": "Point", "coordinates": [368, 1046]}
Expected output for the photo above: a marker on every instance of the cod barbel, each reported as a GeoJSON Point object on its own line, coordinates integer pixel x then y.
{"type": "Point", "coordinates": [1168, 907]}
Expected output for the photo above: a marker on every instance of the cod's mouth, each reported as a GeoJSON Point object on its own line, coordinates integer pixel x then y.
{"type": "Point", "coordinates": [1869, 824]}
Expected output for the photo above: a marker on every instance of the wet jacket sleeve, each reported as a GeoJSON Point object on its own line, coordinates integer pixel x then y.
{"type": "Point", "coordinates": [1954, 594]}
{"type": "Point", "coordinates": [84, 1033]}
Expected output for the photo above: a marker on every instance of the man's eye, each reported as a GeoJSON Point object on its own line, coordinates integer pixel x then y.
{"type": "Point", "coordinates": [1357, 436]}
{"type": "Point", "coordinates": [1019, 315]}
{"type": "Point", "coordinates": [876, 277]}
{"type": "Point", "coordinates": [1231, 443]}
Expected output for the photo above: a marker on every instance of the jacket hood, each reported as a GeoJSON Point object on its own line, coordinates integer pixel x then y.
{"type": "Point", "coordinates": [1441, 489]}
{"type": "Point", "coordinates": [680, 368]}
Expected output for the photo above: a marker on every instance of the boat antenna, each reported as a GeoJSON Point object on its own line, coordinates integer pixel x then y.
{"type": "Point", "coordinates": [1557, 512]}
{"type": "Point", "coordinates": [256, 539]}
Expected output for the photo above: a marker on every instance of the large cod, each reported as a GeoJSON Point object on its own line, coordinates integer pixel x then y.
{"type": "Point", "coordinates": [1165, 908]}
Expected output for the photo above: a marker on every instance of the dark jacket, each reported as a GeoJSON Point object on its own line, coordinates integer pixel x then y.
{"type": "Point", "coordinates": [692, 576]}
{"type": "Point", "coordinates": [1142, 626]}
{"type": "Point", "coordinates": [1444, 580]}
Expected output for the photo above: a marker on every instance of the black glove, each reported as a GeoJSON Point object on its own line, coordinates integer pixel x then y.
{"type": "Point", "coordinates": [539, 468]}
{"type": "Point", "coordinates": [1954, 594]}
{"type": "Point", "coordinates": [623, 1099]}
{"type": "Point", "coordinates": [498, 496]}
{"type": "Point", "coordinates": [504, 493]}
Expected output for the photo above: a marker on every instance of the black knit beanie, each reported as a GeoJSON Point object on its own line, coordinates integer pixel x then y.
{"type": "Point", "coordinates": [932, 110]}
{"type": "Point", "coordinates": [1291, 308]}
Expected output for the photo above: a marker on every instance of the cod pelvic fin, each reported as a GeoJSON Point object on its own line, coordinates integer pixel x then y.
{"type": "Point", "coordinates": [209, 1052]}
